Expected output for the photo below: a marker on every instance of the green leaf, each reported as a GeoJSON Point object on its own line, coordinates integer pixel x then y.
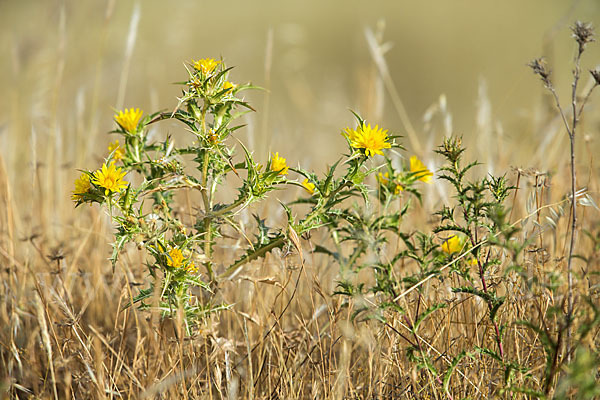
{"type": "Point", "coordinates": [490, 353]}
{"type": "Point", "coordinates": [361, 121]}
{"type": "Point", "coordinates": [451, 368]}
{"type": "Point", "coordinates": [427, 313]}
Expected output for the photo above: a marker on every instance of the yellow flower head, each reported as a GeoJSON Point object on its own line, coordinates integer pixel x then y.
{"type": "Point", "coordinates": [110, 178]}
{"type": "Point", "coordinates": [309, 186]}
{"type": "Point", "coordinates": [129, 119]}
{"type": "Point", "coordinates": [213, 138]}
{"type": "Point", "coordinates": [420, 170]}
{"type": "Point", "coordinates": [452, 245]}
{"type": "Point", "coordinates": [372, 140]}
{"type": "Point", "coordinates": [118, 150]}
{"type": "Point", "coordinates": [278, 164]}
{"type": "Point", "coordinates": [205, 65]}
{"type": "Point", "coordinates": [82, 185]}
{"type": "Point", "coordinates": [175, 259]}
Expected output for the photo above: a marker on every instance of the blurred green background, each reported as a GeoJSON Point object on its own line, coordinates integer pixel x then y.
{"type": "Point", "coordinates": [67, 65]}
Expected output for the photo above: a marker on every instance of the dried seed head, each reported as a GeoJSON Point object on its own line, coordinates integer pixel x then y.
{"type": "Point", "coordinates": [539, 68]}
{"type": "Point", "coordinates": [583, 33]}
{"type": "Point", "coordinates": [596, 74]}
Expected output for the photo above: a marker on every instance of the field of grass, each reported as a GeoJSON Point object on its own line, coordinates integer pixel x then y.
{"type": "Point", "coordinates": [377, 277]}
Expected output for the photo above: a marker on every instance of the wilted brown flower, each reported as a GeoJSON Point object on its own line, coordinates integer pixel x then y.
{"type": "Point", "coordinates": [583, 33]}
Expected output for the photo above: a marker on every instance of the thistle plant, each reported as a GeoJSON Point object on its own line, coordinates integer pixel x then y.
{"type": "Point", "coordinates": [466, 245]}
{"type": "Point", "coordinates": [181, 264]}
{"type": "Point", "coordinates": [182, 267]}
{"type": "Point", "coordinates": [474, 223]}
{"type": "Point", "coordinates": [473, 244]}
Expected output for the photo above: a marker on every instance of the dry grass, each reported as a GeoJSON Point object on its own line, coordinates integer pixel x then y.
{"type": "Point", "coordinates": [65, 333]}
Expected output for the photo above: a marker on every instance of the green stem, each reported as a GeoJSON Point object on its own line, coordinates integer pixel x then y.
{"type": "Point", "coordinates": [355, 254]}
{"type": "Point", "coordinates": [261, 251]}
{"type": "Point", "coordinates": [314, 213]}
{"type": "Point", "coordinates": [475, 243]}
{"type": "Point", "coordinates": [229, 208]}
{"type": "Point", "coordinates": [137, 150]}
{"type": "Point", "coordinates": [206, 201]}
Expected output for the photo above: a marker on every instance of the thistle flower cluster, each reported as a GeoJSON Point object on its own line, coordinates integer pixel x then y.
{"type": "Point", "coordinates": [90, 185]}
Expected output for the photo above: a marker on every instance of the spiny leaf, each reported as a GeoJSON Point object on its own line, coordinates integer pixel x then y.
{"type": "Point", "coordinates": [426, 313]}
{"type": "Point", "coordinates": [452, 367]}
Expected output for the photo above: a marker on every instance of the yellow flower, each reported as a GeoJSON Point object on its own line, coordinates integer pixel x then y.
{"type": "Point", "coordinates": [309, 186]}
{"type": "Point", "coordinates": [82, 185]}
{"type": "Point", "coordinates": [420, 170]}
{"type": "Point", "coordinates": [128, 119]}
{"type": "Point", "coordinates": [213, 138]}
{"type": "Point", "coordinates": [175, 259]}
{"type": "Point", "coordinates": [229, 85]}
{"type": "Point", "coordinates": [452, 245]}
{"type": "Point", "coordinates": [110, 178]}
{"type": "Point", "coordinates": [205, 65]}
{"type": "Point", "coordinates": [373, 140]}
{"type": "Point", "coordinates": [191, 268]}
{"type": "Point", "coordinates": [118, 150]}
{"type": "Point", "coordinates": [278, 164]}
{"type": "Point", "coordinates": [384, 180]}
